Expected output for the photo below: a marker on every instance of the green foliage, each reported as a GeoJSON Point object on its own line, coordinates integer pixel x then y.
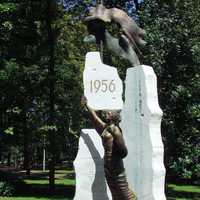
{"type": "Point", "coordinates": [46, 128]}
{"type": "Point", "coordinates": [9, 131]}
{"type": "Point", "coordinates": [6, 189]}
{"type": "Point", "coordinates": [7, 7]}
{"type": "Point", "coordinates": [173, 51]}
{"type": "Point", "coordinates": [25, 80]}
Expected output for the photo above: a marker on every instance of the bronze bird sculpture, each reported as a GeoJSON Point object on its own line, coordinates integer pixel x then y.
{"type": "Point", "coordinates": [131, 37]}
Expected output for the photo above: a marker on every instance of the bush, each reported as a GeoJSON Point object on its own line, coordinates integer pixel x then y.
{"type": "Point", "coordinates": [6, 189]}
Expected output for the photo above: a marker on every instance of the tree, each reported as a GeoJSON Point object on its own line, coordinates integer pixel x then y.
{"type": "Point", "coordinates": [41, 77]}
{"type": "Point", "coordinates": [173, 45]}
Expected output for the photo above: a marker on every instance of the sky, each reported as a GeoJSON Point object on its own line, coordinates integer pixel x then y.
{"type": "Point", "coordinates": [71, 4]}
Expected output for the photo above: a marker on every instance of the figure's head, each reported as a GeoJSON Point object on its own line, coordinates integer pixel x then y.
{"type": "Point", "coordinates": [111, 116]}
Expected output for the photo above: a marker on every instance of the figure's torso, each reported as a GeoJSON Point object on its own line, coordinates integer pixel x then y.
{"type": "Point", "coordinates": [112, 161]}
{"type": "Point", "coordinates": [114, 168]}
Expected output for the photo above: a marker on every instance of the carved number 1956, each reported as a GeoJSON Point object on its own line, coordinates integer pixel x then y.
{"type": "Point", "coordinates": [102, 85]}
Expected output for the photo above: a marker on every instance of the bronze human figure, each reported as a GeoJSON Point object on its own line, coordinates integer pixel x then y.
{"type": "Point", "coordinates": [114, 151]}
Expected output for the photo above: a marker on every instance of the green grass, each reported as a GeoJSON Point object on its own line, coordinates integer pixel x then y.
{"type": "Point", "coordinates": [185, 188]}
{"type": "Point", "coordinates": [32, 198]}
{"type": "Point", "coordinates": [174, 192]}
{"type": "Point", "coordinates": [183, 192]}
{"type": "Point", "coordinates": [41, 178]}
{"type": "Point", "coordinates": [35, 187]}
{"type": "Point", "coordinates": [57, 181]}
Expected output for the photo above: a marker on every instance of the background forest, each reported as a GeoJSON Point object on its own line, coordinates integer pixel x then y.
{"type": "Point", "coordinates": [41, 63]}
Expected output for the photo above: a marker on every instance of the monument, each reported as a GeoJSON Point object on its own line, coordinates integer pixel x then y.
{"type": "Point", "coordinates": [141, 116]}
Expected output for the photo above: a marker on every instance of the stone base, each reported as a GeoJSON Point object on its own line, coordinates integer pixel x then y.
{"type": "Point", "coordinates": [89, 168]}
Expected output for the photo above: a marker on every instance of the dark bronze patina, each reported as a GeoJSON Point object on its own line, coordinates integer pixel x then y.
{"type": "Point", "coordinates": [114, 15]}
{"type": "Point", "coordinates": [129, 39]}
{"type": "Point", "coordinates": [114, 152]}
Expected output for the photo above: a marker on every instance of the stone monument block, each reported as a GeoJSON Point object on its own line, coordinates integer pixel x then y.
{"type": "Point", "coordinates": [89, 168]}
{"type": "Point", "coordinates": [102, 86]}
{"type": "Point", "coordinates": [141, 120]}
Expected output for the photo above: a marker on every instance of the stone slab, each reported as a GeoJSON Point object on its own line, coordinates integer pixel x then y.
{"type": "Point", "coordinates": [141, 120]}
{"type": "Point", "coordinates": [89, 168]}
{"type": "Point", "coordinates": [102, 85]}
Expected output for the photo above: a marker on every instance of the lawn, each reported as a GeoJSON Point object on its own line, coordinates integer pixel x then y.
{"type": "Point", "coordinates": [35, 198]}
{"type": "Point", "coordinates": [183, 192]}
{"type": "Point", "coordinates": [35, 187]}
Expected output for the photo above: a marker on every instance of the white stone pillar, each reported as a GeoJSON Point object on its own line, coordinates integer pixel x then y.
{"type": "Point", "coordinates": [141, 120]}
{"type": "Point", "coordinates": [89, 169]}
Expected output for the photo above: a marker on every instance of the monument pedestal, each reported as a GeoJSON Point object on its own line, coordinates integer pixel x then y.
{"type": "Point", "coordinates": [141, 120]}
{"type": "Point", "coordinates": [89, 168]}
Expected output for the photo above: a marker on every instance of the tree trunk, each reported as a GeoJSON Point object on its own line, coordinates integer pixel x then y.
{"type": "Point", "coordinates": [51, 76]}
{"type": "Point", "coordinates": [44, 155]}
{"type": "Point", "coordinates": [9, 158]}
{"type": "Point", "coordinates": [26, 164]}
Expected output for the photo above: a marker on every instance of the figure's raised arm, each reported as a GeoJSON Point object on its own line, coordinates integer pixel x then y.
{"type": "Point", "coordinates": [99, 125]}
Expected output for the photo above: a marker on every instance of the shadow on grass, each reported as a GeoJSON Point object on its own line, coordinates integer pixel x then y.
{"type": "Point", "coordinates": [42, 190]}
{"type": "Point", "coordinates": [173, 194]}
{"type": "Point", "coordinates": [45, 175]}
{"type": "Point", "coordinates": [69, 176]}
{"type": "Point", "coordinates": [35, 177]}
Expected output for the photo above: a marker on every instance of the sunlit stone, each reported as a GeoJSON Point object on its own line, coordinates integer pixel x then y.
{"type": "Point", "coordinates": [102, 86]}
